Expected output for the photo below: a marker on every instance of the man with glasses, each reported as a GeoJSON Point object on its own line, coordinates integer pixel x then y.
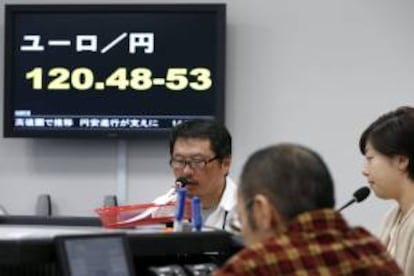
{"type": "Point", "coordinates": [201, 152]}
{"type": "Point", "coordinates": [285, 204]}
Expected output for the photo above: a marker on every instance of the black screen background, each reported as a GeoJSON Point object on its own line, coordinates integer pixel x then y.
{"type": "Point", "coordinates": [183, 39]}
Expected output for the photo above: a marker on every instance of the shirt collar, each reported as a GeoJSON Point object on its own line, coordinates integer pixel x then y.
{"type": "Point", "coordinates": [228, 199]}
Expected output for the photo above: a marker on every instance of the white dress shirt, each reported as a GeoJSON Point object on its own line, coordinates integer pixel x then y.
{"type": "Point", "coordinates": [220, 217]}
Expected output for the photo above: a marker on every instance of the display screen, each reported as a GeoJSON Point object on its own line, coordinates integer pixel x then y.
{"type": "Point", "coordinates": [90, 255]}
{"type": "Point", "coordinates": [112, 70]}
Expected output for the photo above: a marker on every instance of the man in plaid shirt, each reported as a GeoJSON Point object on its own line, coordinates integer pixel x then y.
{"type": "Point", "coordinates": [285, 207]}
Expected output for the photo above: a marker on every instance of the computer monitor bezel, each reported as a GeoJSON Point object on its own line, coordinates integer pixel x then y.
{"type": "Point", "coordinates": [63, 258]}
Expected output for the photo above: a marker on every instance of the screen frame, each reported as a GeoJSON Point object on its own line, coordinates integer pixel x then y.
{"type": "Point", "coordinates": [11, 10]}
{"type": "Point", "coordinates": [63, 258]}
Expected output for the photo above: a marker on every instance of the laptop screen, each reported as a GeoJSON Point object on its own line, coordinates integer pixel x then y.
{"type": "Point", "coordinates": [93, 255]}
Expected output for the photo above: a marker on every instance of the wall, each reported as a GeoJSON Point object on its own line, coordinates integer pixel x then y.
{"type": "Point", "coordinates": [313, 72]}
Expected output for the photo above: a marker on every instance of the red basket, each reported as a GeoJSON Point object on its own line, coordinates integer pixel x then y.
{"type": "Point", "coordinates": [139, 214]}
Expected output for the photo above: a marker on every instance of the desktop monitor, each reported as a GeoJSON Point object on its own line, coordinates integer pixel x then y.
{"type": "Point", "coordinates": [94, 255]}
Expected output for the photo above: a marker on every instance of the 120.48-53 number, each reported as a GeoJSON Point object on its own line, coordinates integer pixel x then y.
{"type": "Point", "coordinates": [140, 79]}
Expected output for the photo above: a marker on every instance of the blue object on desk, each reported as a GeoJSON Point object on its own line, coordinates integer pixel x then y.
{"type": "Point", "coordinates": [179, 215]}
{"type": "Point", "coordinates": [196, 216]}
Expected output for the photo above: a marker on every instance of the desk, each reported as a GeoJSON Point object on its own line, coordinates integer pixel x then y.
{"type": "Point", "coordinates": [28, 249]}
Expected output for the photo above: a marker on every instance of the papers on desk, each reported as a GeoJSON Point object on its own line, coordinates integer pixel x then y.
{"type": "Point", "coordinates": [170, 196]}
{"type": "Point", "coordinates": [161, 210]}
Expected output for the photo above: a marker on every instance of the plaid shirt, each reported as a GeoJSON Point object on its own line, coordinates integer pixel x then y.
{"type": "Point", "coordinates": [315, 243]}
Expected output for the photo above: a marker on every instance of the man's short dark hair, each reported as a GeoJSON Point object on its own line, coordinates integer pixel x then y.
{"type": "Point", "coordinates": [392, 134]}
{"type": "Point", "coordinates": [294, 178]}
{"type": "Point", "coordinates": [217, 134]}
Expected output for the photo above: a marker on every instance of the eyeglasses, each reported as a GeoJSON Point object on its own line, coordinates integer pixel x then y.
{"type": "Point", "coordinates": [192, 163]}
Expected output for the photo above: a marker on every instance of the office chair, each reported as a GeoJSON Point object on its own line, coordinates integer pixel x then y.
{"type": "Point", "coordinates": [43, 205]}
{"type": "Point", "coordinates": [110, 201]}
